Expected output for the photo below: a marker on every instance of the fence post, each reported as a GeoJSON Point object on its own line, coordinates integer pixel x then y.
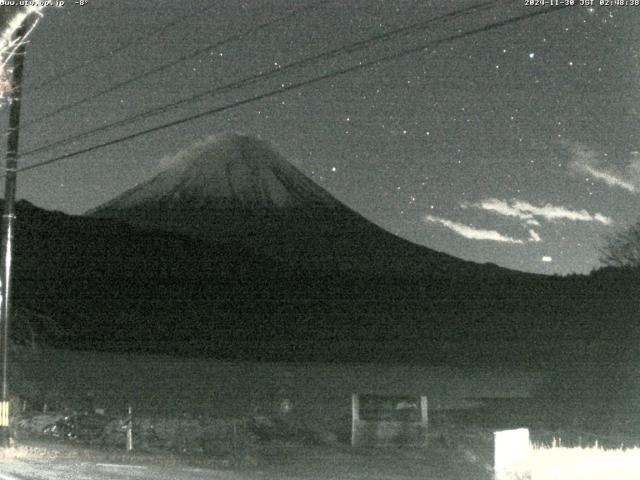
{"type": "Point", "coordinates": [130, 430]}
{"type": "Point", "coordinates": [355, 417]}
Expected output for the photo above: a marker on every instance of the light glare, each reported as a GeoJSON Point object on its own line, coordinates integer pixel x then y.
{"type": "Point", "coordinates": [9, 44]}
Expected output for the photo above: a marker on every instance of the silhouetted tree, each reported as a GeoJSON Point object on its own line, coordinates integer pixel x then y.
{"type": "Point", "coordinates": [622, 248]}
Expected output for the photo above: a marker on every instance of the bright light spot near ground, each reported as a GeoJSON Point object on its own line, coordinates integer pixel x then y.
{"type": "Point", "coordinates": [547, 259]}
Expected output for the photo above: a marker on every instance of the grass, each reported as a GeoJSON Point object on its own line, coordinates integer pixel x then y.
{"type": "Point", "coordinates": [164, 385]}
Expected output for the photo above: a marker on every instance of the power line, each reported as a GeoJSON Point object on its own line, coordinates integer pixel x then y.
{"type": "Point", "coordinates": [359, 45]}
{"type": "Point", "coordinates": [173, 63]}
{"type": "Point", "coordinates": [298, 85]}
{"type": "Point", "coordinates": [134, 41]}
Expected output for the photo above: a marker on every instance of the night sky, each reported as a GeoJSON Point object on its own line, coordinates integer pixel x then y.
{"type": "Point", "coordinates": [517, 145]}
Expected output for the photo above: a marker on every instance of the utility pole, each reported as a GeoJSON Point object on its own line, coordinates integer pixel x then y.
{"type": "Point", "coordinates": [7, 225]}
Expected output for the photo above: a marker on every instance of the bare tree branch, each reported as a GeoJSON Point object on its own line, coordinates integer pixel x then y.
{"type": "Point", "coordinates": [622, 248]}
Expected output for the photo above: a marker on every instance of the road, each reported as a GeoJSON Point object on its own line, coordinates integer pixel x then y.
{"type": "Point", "coordinates": [57, 469]}
{"type": "Point", "coordinates": [287, 464]}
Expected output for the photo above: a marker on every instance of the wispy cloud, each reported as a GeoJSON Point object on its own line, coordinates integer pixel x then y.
{"type": "Point", "coordinates": [610, 178]}
{"type": "Point", "coordinates": [588, 162]}
{"type": "Point", "coordinates": [530, 213]}
{"type": "Point", "coordinates": [501, 208]}
{"type": "Point", "coordinates": [472, 232]}
{"type": "Point", "coordinates": [555, 212]}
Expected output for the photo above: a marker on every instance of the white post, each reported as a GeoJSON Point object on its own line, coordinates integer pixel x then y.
{"type": "Point", "coordinates": [355, 417]}
{"type": "Point", "coordinates": [130, 430]}
{"type": "Point", "coordinates": [424, 415]}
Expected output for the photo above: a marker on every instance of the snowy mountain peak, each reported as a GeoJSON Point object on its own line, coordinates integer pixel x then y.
{"type": "Point", "coordinates": [227, 171]}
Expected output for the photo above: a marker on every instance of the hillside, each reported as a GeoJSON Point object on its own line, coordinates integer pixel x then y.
{"type": "Point", "coordinates": [110, 286]}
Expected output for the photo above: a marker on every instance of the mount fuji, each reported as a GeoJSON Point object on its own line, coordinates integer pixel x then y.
{"type": "Point", "coordinates": [238, 190]}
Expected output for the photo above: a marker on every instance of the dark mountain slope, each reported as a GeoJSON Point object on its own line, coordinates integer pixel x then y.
{"type": "Point", "coordinates": [107, 285]}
